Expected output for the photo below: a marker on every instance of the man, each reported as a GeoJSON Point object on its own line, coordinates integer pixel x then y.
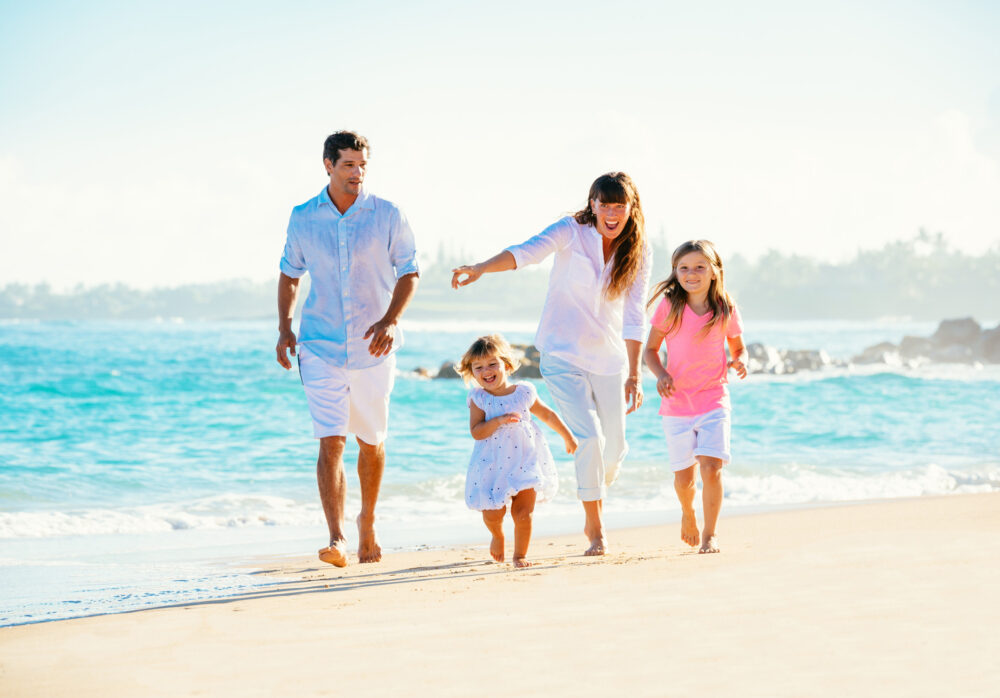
{"type": "Point", "coordinates": [359, 252]}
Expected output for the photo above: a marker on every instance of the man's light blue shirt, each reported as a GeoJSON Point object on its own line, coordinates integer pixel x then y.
{"type": "Point", "coordinates": [354, 260]}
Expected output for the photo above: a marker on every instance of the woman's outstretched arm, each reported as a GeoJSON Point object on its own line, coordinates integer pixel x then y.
{"type": "Point", "coordinates": [504, 261]}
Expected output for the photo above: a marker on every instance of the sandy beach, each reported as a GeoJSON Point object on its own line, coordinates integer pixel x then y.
{"type": "Point", "coordinates": [892, 598]}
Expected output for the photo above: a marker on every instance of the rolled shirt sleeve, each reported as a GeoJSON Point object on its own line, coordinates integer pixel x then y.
{"type": "Point", "coordinates": [550, 240]}
{"type": "Point", "coordinates": [293, 263]}
{"type": "Point", "coordinates": [402, 248]}
{"type": "Point", "coordinates": [634, 311]}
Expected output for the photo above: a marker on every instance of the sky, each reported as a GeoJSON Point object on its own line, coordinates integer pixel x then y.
{"type": "Point", "coordinates": [160, 144]}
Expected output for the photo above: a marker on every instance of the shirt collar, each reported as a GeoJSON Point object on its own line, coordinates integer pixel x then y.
{"type": "Point", "coordinates": [365, 200]}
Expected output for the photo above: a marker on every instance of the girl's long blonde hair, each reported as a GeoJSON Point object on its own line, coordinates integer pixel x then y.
{"type": "Point", "coordinates": [719, 300]}
{"type": "Point", "coordinates": [488, 345]}
{"type": "Point", "coordinates": [630, 246]}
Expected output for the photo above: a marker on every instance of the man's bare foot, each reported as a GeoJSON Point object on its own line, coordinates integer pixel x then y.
{"type": "Point", "coordinates": [689, 529]}
{"type": "Point", "coordinates": [496, 547]}
{"type": "Point", "coordinates": [335, 554]}
{"type": "Point", "coordinates": [520, 562]}
{"type": "Point", "coordinates": [368, 547]}
{"type": "Point", "coordinates": [711, 545]}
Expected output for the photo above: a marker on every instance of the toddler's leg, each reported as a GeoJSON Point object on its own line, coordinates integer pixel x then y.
{"type": "Point", "coordinates": [521, 509]}
{"type": "Point", "coordinates": [493, 518]}
{"type": "Point", "coordinates": [711, 499]}
{"type": "Point", "coordinates": [684, 485]}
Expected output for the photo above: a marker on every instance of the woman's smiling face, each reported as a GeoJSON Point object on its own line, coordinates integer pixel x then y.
{"type": "Point", "coordinates": [611, 218]}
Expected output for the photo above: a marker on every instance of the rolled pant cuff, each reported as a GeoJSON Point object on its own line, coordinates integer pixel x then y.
{"type": "Point", "coordinates": [591, 494]}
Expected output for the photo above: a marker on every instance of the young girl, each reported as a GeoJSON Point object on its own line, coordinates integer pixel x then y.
{"type": "Point", "coordinates": [511, 464]}
{"type": "Point", "coordinates": [696, 317]}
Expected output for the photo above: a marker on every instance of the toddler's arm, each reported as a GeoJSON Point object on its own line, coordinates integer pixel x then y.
{"type": "Point", "coordinates": [482, 428]}
{"type": "Point", "coordinates": [738, 350]}
{"type": "Point", "coordinates": [552, 420]}
{"type": "Point", "coordinates": [664, 381]}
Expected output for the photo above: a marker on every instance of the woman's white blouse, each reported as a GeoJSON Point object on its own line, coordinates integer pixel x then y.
{"type": "Point", "coordinates": [579, 323]}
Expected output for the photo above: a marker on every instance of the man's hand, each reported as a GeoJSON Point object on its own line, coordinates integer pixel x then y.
{"type": "Point", "coordinates": [383, 334]}
{"type": "Point", "coordinates": [286, 342]}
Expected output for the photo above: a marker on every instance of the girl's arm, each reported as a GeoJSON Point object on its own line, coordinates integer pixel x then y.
{"type": "Point", "coordinates": [664, 382]}
{"type": "Point", "coordinates": [504, 261]}
{"type": "Point", "coordinates": [551, 419]}
{"type": "Point", "coordinates": [738, 350]}
{"type": "Point", "coordinates": [482, 428]}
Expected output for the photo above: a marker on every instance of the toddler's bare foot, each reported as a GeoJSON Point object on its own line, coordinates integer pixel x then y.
{"type": "Point", "coordinates": [711, 545]}
{"type": "Point", "coordinates": [521, 562]}
{"type": "Point", "coordinates": [496, 547]}
{"type": "Point", "coordinates": [689, 529]}
{"type": "Point", "coordinates": [335, 554]}
{"type": "Point", "coordinates": [368, 547]}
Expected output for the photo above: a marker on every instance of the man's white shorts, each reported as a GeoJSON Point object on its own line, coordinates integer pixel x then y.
{"type": "Point", "coordinates": [698, 435]}
{"type": "Point", "coordinates": [347, 401]}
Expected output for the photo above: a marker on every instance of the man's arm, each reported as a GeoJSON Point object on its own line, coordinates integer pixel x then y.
{"type": "Point", "coordinates": [383, 332]}
{"type": "Point", "coordinates": [288, 290]}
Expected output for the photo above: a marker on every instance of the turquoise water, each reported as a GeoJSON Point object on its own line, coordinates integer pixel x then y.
{"type": "Point", "coordinates": [137, 458]}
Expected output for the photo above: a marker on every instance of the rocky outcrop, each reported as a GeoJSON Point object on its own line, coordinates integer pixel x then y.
{"type": "Point", "coordinates": [959, 340]}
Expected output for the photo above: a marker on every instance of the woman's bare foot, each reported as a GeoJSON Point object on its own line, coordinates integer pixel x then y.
{"type": "Point", "coordinates": [689, 529]}
{"type": "Point", "coordinates": [711, 545]}
{"type": "Point", "coordinates": [368, 547]}
{"type": "Point", "coordinates": [335, 554]}
{"type": "Point", "coordinates": [520, 562]}
{"type": "Point", "coordinates": [598, 546]}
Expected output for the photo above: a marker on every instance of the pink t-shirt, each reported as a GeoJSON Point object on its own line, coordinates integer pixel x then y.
{"type": "Point", "coordinates": [696, 363]}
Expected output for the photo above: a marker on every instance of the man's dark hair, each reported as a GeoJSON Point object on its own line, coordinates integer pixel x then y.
{"type": "Point", "coordinates": [342, 140]}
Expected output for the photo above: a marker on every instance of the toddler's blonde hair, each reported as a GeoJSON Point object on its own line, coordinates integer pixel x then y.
{"type": "Point", "coordinates": [487, 345]}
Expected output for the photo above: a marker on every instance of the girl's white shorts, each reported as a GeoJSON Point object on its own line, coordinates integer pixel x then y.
{"type": "Point", "coordinates": [347, 401]}
{"type": "Point", "coordinates": [697, 435]}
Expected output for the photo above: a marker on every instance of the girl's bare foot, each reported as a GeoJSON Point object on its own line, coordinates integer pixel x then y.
{"type": "Point", "coordinates": [711, 545]}
{"type": "Point", "coordinates": [521, 562]}
{"type": "Point", "coordinates": [689, 529]}
{"type": "Point", "coordinates": [496, 547]}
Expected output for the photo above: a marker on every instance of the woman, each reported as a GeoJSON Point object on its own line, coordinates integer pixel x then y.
{"type": "Point", "coordinates": [592, 328]}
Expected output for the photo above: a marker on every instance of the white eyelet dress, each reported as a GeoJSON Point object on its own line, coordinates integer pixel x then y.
{"type": "Point", "coordinates": [516, 457]}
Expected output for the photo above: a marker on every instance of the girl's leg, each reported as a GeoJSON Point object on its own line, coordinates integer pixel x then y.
{"type": "Point", "coordinates": [493, 518]}
{"type": "Point", "coordinates": [684, 485]}
{"type": "Point", "coordinates": [711, 499]}
{"type": "Point", "coordinates": [521, 508]}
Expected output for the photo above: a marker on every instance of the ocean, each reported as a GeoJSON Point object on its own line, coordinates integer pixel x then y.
{"type": "Point", "coordinates": [158, 463]}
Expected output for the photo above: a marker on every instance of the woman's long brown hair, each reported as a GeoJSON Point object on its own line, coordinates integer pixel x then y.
{"type": "Point", "coordinates": [719, 301]}
{"type": "Point", "coordinates": [629, 248]}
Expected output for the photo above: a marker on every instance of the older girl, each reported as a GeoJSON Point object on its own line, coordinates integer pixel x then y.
{"type": "Point", "coordinates": [696, 318]}
{"type": "Point", "coordinates": [592, 326]}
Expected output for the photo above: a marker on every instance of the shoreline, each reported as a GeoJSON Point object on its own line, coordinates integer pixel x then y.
{"type": "Point", "coordinates": [814, 601]}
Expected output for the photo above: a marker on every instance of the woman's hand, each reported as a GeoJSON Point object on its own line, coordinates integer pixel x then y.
{"type": "Point", "coordinates": [471, 272]}
{"type": "Point", "coordinates": [633, 394]}
{"type": "Point", "coordinates": [665, 386]}
{"type": "Point", "coordinates": [571, 443]}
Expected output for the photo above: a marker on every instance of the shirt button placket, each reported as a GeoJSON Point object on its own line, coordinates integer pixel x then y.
{"type": "Point", "coordinates": [345, 286]}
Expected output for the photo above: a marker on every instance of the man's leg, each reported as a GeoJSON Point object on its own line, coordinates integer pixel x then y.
{"type": "Point", "coordinates": [371, 464]}
{"type": "Point", "coordinates": [332, 492]}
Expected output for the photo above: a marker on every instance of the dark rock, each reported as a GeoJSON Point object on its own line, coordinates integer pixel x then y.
{"type": "Point", "coordinates": [988, 346]}
{"type": "Point", "coordinates": [424, 372]}
{"type": "Point", "coordinates": [764, 359]}
{"type": "Point", "coordinates": [807, 360]}
{"type": "Point", "coordinates": [957, 331]}
{"type": "Point", "coordinates": [447, 370]}
{"type": "Point", "coordinates": [953, 354]}
{"type": "Point", "coordinates": [881, 353]}
{"type": "Point", "coordinates": [912, 347]}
